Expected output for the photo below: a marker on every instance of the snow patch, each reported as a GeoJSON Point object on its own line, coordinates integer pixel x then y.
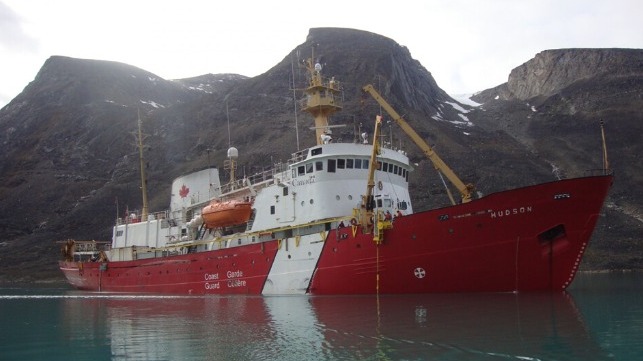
{"type": "Point", "coordinates": [202, 88]}
{"type": "Point", "coordinates": [152, 103]}
{"type": "Point", "coordinates": [457, 107]}
{"type": "Point", "coordinates": [115, 103]}
{"type": "Point", "coordinates": [465, 119]}
{"type": "Point", "coordinates": [465, 99]}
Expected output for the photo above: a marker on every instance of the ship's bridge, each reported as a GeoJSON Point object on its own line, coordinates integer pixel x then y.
{"type": "Point", "coordinates": [329, 181]}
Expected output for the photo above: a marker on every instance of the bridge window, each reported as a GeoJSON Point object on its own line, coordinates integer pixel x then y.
{"type": "Point", "coordinates": [341, 163]}
{"type": "Point", "coordinates": [358, 164]}
{"type": "Point", "coordinates": [319, 166]}
{"type": "Point", "coordinates": [301, 170]}
{"type": "Point", "coordinates": [349, 163]}
{"type": "Point", "coordinates": [309, 168]}
{"type": "Point", "coordinates": [272, 209]}
{"type": "Point", "coordinates": [385, 167]}
{"type": "Point", "coordinates": [316, 151]}
{"type": "Point", "coordinates": [331, 165]}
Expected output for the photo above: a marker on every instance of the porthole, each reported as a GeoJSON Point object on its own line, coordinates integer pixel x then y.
{"type": "Point", "coordinates": [337, 197]}
{"type": "Point", "coordinates": [311, 201]}
{"type": "Point", "coordinates": [350, 197]}
{"type": "Point", "coordinates": [302, 203]}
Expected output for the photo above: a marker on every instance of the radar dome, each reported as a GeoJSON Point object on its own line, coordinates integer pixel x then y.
{"type": "Point", "coordinates": [233, 152]}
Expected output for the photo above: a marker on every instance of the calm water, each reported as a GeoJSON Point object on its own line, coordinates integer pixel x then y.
{"type": "Point", "coordinates": [600, 318]}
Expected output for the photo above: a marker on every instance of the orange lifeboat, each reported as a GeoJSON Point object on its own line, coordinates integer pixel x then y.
{"type": "Point", "coordinates": [228, 213]}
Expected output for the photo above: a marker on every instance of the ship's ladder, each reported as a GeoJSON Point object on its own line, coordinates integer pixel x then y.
{"type": "Point", "coordinates": [251, 221]}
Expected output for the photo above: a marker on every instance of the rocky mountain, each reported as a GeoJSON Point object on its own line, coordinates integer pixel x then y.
{"type": "Point", "coordinates": [68, 164]}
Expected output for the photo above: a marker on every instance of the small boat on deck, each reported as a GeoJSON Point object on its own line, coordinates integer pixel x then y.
{"type": "Point", "coordinates": [226, 213]}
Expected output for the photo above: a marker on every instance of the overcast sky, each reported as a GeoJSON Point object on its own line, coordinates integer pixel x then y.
{"type": "Point", "coordinates": [468, 45]}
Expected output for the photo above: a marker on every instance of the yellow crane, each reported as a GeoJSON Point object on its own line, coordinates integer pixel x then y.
{"type": "Point", "coordinates": [466, 190]}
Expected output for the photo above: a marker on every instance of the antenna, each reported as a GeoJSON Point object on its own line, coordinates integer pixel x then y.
{"type": "Point", "coordinates": [227, 115]}
{"type": "Point", "coordinates": [142, 160]}
{"type": "Point", "coordinates": [294, 97]}
{"type": "Point", "coordinates": [230, 164]}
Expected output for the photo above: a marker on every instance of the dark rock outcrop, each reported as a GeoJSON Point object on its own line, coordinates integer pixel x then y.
{"type": "Point", "coordinates": [551, 71]}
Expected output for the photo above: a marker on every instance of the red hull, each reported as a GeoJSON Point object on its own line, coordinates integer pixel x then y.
{"type": "Point", "coordinates": [241, 270]}
{"type": "Point", "coordinates": [528, 239]}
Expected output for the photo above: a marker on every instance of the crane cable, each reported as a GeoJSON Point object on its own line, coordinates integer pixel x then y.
{"type": "Point", "coordinates": [377, 279]}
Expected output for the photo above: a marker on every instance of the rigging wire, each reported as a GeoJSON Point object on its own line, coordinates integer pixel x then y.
{"type": "Point", "coordinates": [227, 114]}
{"type": "Point", "coordinates": [294, 96]}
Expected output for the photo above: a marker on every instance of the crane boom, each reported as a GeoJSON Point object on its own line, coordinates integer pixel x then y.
{"type": "Point", "coordinates": [465, 190]}
{"type": "Point", "coordinates": [368, 199]}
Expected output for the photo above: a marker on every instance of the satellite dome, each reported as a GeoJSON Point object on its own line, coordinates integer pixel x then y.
{"type": "Point", "coordinates": [233, 152]}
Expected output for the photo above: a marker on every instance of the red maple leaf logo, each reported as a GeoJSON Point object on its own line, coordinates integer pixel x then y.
{"type": "Point", "coordinates": [183, 192]}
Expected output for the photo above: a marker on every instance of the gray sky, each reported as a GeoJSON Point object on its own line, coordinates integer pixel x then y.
{"type": "Point", "coordinates": [467, 45]}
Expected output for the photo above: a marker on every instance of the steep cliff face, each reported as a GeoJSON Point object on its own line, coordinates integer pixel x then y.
{"type": "Point", "coordinates": [550, 71]}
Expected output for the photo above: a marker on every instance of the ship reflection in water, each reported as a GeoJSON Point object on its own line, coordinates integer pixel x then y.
{"type": "Point", "coordinates": [445, 327]}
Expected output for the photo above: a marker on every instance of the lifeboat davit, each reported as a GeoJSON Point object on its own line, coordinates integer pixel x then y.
{"type": "Point", "coordinates": [228, 213]}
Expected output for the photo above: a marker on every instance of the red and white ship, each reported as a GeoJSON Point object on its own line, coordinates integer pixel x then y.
{"type": "Point", "coordinates": [337, 219]}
